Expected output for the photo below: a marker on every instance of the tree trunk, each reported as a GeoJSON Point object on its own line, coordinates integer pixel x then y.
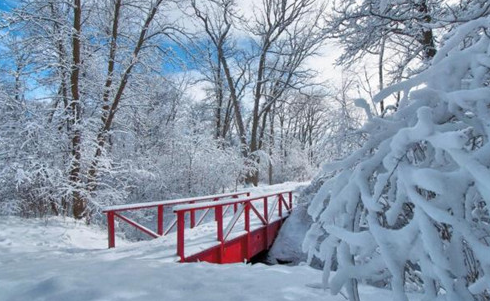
{"type": "Point", "coordinates": [427, 38]}
{"type": "Point", "coordinates": [110, 111]}
{"type": "Point", "coordinates": [380, 71]}
{"type": "Point", "coordinates": [107, 91]}
{"type": "Point", "coordinates": [219, 101]}
{"type": "Point", "coordinates": [228, 118]}
{"type": "Point", "coordinates": [253, 176]}
{"type": "Point", "coordinates": [79, 203]}
{"type": "Point", "coordinates": [271, 143]}
{"type": "Point", "coordinates": [236, 103]}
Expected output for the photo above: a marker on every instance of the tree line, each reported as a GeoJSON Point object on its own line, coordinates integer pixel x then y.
{"type": "Point", "coordinates": [96, 107]}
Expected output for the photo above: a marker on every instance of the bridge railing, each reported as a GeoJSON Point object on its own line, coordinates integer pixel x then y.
{"type": "Point", "coordinates": [116, 211]}
{"type": "Point", "coordinates": [241, 207]}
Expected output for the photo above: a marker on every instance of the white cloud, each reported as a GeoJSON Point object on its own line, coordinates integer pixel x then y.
{"type": "Point", "coordinates": [324, 63]}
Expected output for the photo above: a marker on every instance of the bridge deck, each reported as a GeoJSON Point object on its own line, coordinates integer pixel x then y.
{"type": "Point", "coordinates": [199, 239]}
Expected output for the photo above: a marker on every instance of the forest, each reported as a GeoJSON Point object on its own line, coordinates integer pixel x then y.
{"type": "Point", "coordinates": [108, 102]}
{"type": "Point", "coordinates": [384, 105]}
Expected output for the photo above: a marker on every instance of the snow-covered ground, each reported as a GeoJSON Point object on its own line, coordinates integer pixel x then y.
{"type": "Point", "coordinates": [61, 259]}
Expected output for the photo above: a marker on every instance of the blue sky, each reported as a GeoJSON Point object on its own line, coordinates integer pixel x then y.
{"type": "Point", "coordinates": [180, 54]}
{"type": "Point", "coordinates": [182, 62]}
{"type": "Point", "coordinates": [7, 4]}
{"type": "Point", "coordinates": [168, 67]}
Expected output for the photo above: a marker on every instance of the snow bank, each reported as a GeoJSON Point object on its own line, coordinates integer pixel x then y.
{"type": "Point", "coordinates": [287, 246]}
{"type": "Point", "coordinates": [19, 235]}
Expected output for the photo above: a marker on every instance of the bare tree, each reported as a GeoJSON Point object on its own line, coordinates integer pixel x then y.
{"type": "Point", "coordinates": [284, 34]}
{"type": "Point", "coordinates": [90, 99]}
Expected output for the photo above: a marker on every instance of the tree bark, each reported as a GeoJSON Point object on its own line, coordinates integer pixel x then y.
{"type": "Point", "coordinates": [106, 94]}
{"type": "Point", "coordinates": [380, 73]}
{"type": "Point", "coordinates": [219, 101]}
{"type": "Point", "coordinates": [110, 111]}
{"type": "Point", "coordinates": [271, 144]}
{"type": "Point", "coordinates": [78, 202]}
{"type": "Point", "coordinates": [427, 37]}
{"type": "Point", "coordinates": [236, 103]}
{"type": "Point", "coordinates": [219, 38]}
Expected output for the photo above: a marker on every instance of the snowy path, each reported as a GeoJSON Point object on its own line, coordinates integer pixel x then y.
{"type": "Point", "coordinates": [65, 260]}
{"type": "Point", "coordinates": [39, 262]}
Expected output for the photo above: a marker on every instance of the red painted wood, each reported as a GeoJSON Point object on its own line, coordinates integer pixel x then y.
{"type": "Point", "coordinates": [180, 235]}
{"type": "Point", "coordinates": [235, 249]}
{"type": "Point", "coordinates": [207, 205]}
{"type": "Point", "coordinates": [160, 220]}
{"type": "Point", "coordinates": [266, 209]}
{"type": "Point", "coordinates": [111, 230]}
{"type": "Point", "coordinates": [247, 217]}
{"type": "Point", "coordinates": [218, 211]}
{"type": "Point", "coordinates": [266, 217]}
{"type": "Point", "coordinates": [246, 252]}
{"type": "Point", "coordinates": [248, 245]}
{"type": "Point", "coordinates": [114, 211]}
{"type": "Point", "coordinates": [238, 249]}
{"type": "Point", "coordinates": [171, 203]}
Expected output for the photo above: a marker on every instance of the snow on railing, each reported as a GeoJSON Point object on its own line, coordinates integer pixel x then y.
{"type": "Point", "coordinates": [240, 207]}
{"type": "Point", "coordinates": [115, 211]}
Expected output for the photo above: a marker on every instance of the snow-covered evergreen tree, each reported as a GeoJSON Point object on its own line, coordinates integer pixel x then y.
{"type": "Point", "coordinates": [410, 209]}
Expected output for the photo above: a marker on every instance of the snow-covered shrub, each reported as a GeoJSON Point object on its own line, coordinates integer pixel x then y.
{"type": "Point", "coordinates": [410, 209]}
{"type": "Point", "coordinates": [30, 177]}
{"type": "Point", "coordinates": [296, 166]}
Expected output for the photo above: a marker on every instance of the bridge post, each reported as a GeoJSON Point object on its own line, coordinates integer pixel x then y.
{"type": "Point", "coordinates": [247, 249]}
{"type": "Point", "coordinates": [160, 220]}
{"type": "Point", "coordinates": [180, 235]}
{"type": "Point", "coordinates": [266, 210]}
{"type": "Point", "coordinates": [266, 217]}
{"type": "Point", "coordinates": [290, 196]}
{"type": "Point", "coordinates": [218, 211]}
{"type": "Point", "coordinates": [111, 229]}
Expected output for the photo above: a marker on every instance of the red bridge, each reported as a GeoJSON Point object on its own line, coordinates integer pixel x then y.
{"type": "Point", "coordinates": [243, 227]}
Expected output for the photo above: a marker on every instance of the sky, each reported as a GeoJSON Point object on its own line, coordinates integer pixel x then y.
{"type": "Point", "coordinates": [323, 63]}
{"type": "Point", "coordinates": [7, 4]}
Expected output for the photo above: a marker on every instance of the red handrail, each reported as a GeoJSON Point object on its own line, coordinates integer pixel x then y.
{"type": "Point", "coordinates": [246, 204]}
{"type": "Point", "coordinates": [115, 211]}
